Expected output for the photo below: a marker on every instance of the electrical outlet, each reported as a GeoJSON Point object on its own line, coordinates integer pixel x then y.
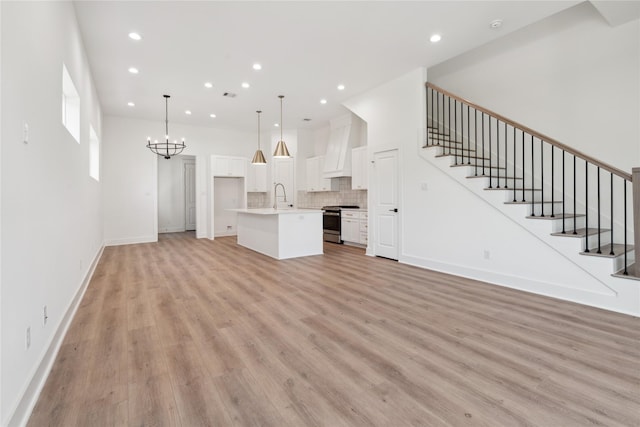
{"type": "Point", "coordinates": [229, 227]}
{"type": "Point", "coordinates": [28, 338]}
{"type": "Point", "coordinates": [487, 254]}
{"type": "Point", "coordinates": [45, 316]}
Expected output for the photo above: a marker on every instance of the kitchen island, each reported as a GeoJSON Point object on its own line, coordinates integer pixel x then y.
{"type": "Point", "coordinates": [281, 233]}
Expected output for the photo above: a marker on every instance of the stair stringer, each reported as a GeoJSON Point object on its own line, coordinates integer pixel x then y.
{"type": "Point", "coordinates": [612, 293]}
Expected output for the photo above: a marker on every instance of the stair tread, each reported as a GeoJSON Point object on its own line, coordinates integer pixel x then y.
{"type": "Point", "coordinates": [446, 146]}
{"type": "Point", "coordinates": [459, 155]}
{"type": "Point", "coordinates": [580, 232]}
{"type": "Point", "coordinates": [528, 202]}
{"type": "Point", "coordinates": [493, 176]}
{"type": "Point", "coordinates": [555, 217]}
{"type": "Point", "coordinates": [512, 188]}
{"type": "Point", "coordinates": [618, 250]}
{"type": "Point", "coordinates": [479, 166]}
{"type": "Point", "coordinates": [633, 271]}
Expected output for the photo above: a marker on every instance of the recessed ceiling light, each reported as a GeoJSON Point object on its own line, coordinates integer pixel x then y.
{"type": "Point", "coordinates": [245, 85]}
{"type": "Point", "coordinates": [213, 116]}
{"type": "Point", "coordinates": [435, 38]}
{"type": "Point", "coordinates": [208, 85]}
{"type": "Point", "coordinates": [131, 104]}
{"type": "Point", "coordinates": [340, 87]}
{"type": "Point", "coordinates": [187, 112]}
{"type": "Point", "coordinates": [133, 70]}
{"type": "Point", "coordinates": [277, 125]}
{"type": "Point", "coordinates": [323, 101]}
{"type": "Point", "coordinates": [496, 23]}
{"type": "Point", "coordinates": [257, 67]}
{"type": "Point", "coordinates": [135, 36]}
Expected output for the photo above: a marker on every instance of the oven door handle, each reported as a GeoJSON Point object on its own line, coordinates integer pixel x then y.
{"type": "Point", "coordinates": [332, 213]}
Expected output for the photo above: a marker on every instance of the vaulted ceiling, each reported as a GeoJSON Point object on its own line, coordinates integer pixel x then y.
{"type": "Point", "coordinates": [306, 49]}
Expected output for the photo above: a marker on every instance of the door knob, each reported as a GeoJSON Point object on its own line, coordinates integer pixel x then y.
{"type": "Point", "coordinates": [393, 210]}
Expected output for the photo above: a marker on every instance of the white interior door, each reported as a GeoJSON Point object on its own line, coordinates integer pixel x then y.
{"type": "Point", "coordinates": [190, 195]}
{"type": "Point", "coordinates": [283, 173]}
{"type": "Point", "coordinates": [386, 204]}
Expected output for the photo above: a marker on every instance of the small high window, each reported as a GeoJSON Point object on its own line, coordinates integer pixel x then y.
{"type": "Point", "coordinates": [94, 154]}
{"type": "Point", "coordinates": [70, 105]}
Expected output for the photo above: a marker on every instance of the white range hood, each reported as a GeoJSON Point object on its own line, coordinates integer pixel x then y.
{"type": "Point", "coordinates": [344, 133]}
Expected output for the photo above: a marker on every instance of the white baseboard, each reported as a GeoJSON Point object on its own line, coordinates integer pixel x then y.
{"type": "Point", "coordinates": [131, 240]}
{"type": "Point", "coordinates": [20, 415]}
{"type": "Point", "coordinates": [605, 300]}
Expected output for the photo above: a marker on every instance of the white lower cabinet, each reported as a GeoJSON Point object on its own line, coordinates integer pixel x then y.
{"type": "Point", "coordinates": [355, 226]}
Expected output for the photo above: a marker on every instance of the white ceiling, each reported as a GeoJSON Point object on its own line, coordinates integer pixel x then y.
{"type": "Point", "coordinates": [306, 49]}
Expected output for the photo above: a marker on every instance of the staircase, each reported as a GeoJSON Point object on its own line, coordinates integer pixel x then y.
{"type": "Point", "coordinates": [559, 190]}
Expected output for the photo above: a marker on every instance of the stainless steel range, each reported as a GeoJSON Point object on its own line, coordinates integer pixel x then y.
{"type": "Point", "coordinates": [332, 221]}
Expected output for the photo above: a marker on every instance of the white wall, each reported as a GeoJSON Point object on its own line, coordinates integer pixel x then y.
{"type": "Point", "coordinates": [51, 208]}
{"type": "Point", "coordinates": [446, 227]}
{"type": "Point", "coordinates": [571, 77]}
{"type": "Point", "coordinates": [131, 175]}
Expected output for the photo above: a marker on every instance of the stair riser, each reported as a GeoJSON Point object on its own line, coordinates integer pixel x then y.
{"type": "Point", "coordinates": [556, 225]}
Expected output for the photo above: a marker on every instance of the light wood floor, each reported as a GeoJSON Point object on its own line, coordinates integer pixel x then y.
{"type": "Point", "coordinates": [188, 332]}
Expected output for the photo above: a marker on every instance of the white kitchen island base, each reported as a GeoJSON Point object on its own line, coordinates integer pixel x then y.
{"type": "Point", "coordinates": [282, 233]}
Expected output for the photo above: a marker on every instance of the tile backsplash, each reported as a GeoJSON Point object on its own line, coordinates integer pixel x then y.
{"type": "Point", "coordinates": [345, 196]}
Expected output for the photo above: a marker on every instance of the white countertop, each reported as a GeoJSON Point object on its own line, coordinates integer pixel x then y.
{"type": "Point", "coordinates": [271, 211]}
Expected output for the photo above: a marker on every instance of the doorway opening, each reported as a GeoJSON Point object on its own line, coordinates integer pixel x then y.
{"type": "Point", "coordinates": [177, 210]}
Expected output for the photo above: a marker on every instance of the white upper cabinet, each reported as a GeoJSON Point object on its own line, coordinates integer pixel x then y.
{"type": "Point", "coordinates": [257, 179]}
{"type": "Point", "coordinates": [359, 169]}
{"type": "Point", "coordinates": [229, 166]}
{"type": "Point", "coordinates": [315, 181]}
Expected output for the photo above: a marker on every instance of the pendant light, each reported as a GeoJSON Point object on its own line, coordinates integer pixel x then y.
{"type": "Point", "coordinates": [281, 148]}
{"type": "Point", "coordinates": [258, 158]}
{"type": "Point", "coordinates": [166, 149]}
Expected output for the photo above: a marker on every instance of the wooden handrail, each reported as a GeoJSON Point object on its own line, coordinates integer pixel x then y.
{"type": "Point", "coordinates": [538, 135]}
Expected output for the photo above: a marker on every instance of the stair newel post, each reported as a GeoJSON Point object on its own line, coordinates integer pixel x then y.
{"type": "Point", "coordinates": [506, 156]}
{"type": "Point", "coordinates": [553, 182]}
{"type": "Point", "coordinates": [431, 92]}
{"type": "Point", "coordinates": [440, 122]}
{"type": "Point", "coordinates": [635, 220]}
{"type": "Point", "coordinates": [475, 125]}
{"type": "Point", "coordinates": [635, 173]}
{"type": "Point", "coordinates": [483, 150]}
{"type": "Point", "coordinates": [598, 197]}
{"type": "Point", "coordinates": [490, 157]}
{"type": "Point", "coordinates": [449, 122]}
{"type": "Point", "coordinates": [564, 196]}
{"type": "Point", "coordinates": [514, 163]}
{"type": "Point", "coordinates": [533, 181]}
{"type": "Point", "coordinates": [611, 213]}
{"type": "Point", "coordinates": [498, 150]}
{"type": "Point", "coordinates": [575, 196]}
{"type": "Point", "coordinates": [542, 177]}
{"type": "Point", "coordinates": [455, 130]}
{"type": "Point", "coordinates": [468, 135]}
{"type": "Point", "coordinates": [586, 206]}
{"type": "Point", "coordinates": [524, 175]}
{"type": "Point", "coordinates": [462, 128]}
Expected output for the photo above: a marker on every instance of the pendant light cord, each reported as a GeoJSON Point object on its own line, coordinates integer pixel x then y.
{"type": "Point", "coordinates": [281, 96]}
{"type": "Point", "coordinates": [258, 128]}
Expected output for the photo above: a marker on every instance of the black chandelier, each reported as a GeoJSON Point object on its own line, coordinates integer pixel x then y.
{"type": "Point", "coordinates": [166, 149]}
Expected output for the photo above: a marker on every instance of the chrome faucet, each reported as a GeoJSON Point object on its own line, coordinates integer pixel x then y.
{"type": "Point", "coordinates": [275, 194]}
